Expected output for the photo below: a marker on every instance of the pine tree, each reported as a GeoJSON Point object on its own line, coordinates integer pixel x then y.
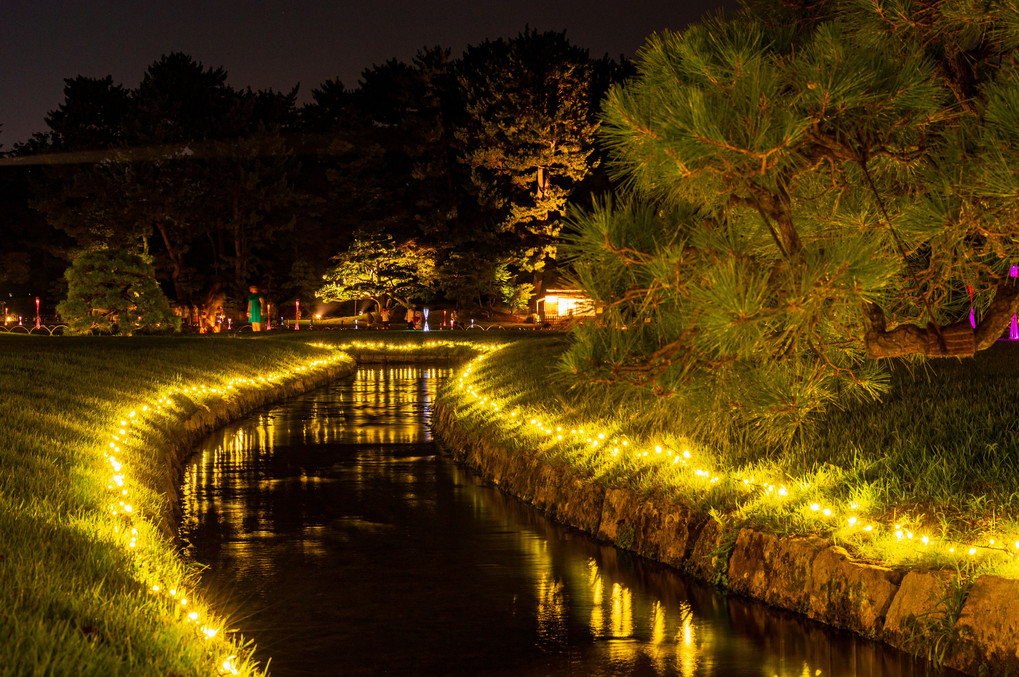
{"type": "Point", "coordinates": [529, 135]}
{"type": "Point", "coordinates": [811, 190]}
{"type": "Point", "coordinates": [114, 290]}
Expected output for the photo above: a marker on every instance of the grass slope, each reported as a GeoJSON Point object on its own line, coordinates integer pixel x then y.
{"type": "Point", "coordinates": [928, 477]}
{"type": "Point", "coordinates": [76, 596]}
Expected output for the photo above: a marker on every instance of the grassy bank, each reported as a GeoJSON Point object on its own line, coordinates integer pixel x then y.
{"type": "Point", "coordinates": [929, 477]}
{"type": "Point", "coordinates": [92, 584]}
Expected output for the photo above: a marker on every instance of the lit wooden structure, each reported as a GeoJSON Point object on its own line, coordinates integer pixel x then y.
{"type": "Point", "coordinates": [558, 305]}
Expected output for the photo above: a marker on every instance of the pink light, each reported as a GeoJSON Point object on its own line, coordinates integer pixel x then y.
{"type": "Point", "coordinates": [1013, 329]}
{"type": "Point", "coordinates": [38, 324]}
{"type": "Point", "coordinates": [297, 315]}
{"type": "Point", "coordinates": [1014, 272]}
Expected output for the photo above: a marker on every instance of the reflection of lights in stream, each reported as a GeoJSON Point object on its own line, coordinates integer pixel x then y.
{"type": "Point", "coordinates": [621, 625]}
{"type": "Point", "coordinates": [627, 624]}
{"type": "Point", "coordinates": [597, 595]}
{"type": "Point", "coordinates": [687, 652]}
{"type": "Point", "coordinates": [385, 411]}
{"type": "Point", "coordinates": [551, 610]}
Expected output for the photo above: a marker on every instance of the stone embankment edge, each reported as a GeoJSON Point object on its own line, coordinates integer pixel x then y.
{"type": "Point", "coordinates": [179, 437]}
{"type": "Point", "coordinates": [904, 608]}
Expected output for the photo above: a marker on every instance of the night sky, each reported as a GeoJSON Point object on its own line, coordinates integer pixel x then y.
{"type": "Point", "coordinates": [277, 44]}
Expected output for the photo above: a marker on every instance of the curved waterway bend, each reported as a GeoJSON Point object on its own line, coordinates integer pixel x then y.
{"type": "Point", "coordinates": [344, 544]}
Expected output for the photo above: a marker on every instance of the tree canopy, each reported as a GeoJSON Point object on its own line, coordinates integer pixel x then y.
{"type": "Point", "coordinates": [469, 158]}
{"type": "Point", "coordinates": [375, 268]}
{"type": "Point", "coordinates": [113, 290]}
{"type": "Point", "coordinates": [810, 188]}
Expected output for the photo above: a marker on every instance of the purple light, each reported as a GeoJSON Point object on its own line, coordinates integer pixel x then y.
{"type": "Point", "coordinates": [1014, 272]}
{"type": "Point", "coordinates": [1013, 329]}
{"type": "Point", "coordinates": [972, 318]}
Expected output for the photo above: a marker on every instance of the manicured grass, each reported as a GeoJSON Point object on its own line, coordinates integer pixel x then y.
{"type": "Point", "coordinates": [91, 587]}
{"type": "Point", "coordinates": [928, 477]}
{"type": "Point", "coordinates": [938, 458]}
{"type": "Point", "coordinates": [77, 597]}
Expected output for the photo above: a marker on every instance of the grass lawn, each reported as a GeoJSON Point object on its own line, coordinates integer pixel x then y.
{"type": "Point", "coordinates": [93, 583]}
{"type": "Point", "coordinates": [83, 511]}
{"type": "Point", "coordinates": [928, 477]}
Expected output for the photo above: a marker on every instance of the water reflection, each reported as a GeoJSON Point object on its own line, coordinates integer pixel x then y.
{"type": "Point", "coordinates": [349, 546]}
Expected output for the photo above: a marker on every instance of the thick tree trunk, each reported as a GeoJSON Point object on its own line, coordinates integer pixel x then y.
{"type": "Point", "coordinates": [176, 262]}
{"type": "Point", "coordinates": [958, 339]}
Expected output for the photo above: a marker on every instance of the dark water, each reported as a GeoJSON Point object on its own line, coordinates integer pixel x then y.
{"type": "Point", "coordinates": [345, 544]}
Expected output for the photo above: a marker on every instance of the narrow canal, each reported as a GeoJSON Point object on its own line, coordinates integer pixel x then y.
{"type": "Point", "coordinates": [344, 543]}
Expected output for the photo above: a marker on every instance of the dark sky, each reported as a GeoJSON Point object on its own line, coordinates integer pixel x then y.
{"type": "Point", "coordinates": [278, 43]}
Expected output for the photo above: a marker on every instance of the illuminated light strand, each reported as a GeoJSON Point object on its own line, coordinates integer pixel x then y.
{"type": "Point", "coordinates": [119, 481]}
{"type": "Point", "coordinates": [831, 513]}
{"type": "Point", "coordinates": [126, 427]}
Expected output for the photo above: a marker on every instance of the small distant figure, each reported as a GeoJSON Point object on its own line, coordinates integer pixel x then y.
{"type": "Point", "coordinates": [452, 318]}
{"type": "Point", "coordinates": [419, 320]}
{"type": "Point", "coordinates": [409, 317]}
{"type": "Point", "coordinates": [384, 314]}
{"type": "Point", "coordinates": [256, 308]}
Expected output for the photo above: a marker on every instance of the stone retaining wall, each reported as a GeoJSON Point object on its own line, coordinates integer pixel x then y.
{"type": "Point", "coordinates": [910, 610]}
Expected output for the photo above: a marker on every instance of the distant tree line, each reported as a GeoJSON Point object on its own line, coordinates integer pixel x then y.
{"type": "Point", "coordinates": [453, 174]}
{"type": "Point", "coordinates": [806, 191]}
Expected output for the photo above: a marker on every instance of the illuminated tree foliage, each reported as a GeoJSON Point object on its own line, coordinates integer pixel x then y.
{"type": "Point", "coordinates": [373, 267]}
{"type": "Point", "coordinates": [811, 190]}
{"type": "Point", "coordinates": [475, 278]}
{"type": "Point", "coordinates": [529, 135]}
{"type": "Point", "coordinates": [113, 290]}
{"type": "Point", "coordinates": [471, 158]}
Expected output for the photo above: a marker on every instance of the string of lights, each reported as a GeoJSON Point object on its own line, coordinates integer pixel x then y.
{"type": "Point", "coordinates": [139, 536]}
{"type": "Point", "coordinates": [702, 474]}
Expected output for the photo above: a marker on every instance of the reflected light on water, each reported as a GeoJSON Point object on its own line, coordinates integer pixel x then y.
{"type": "Point", "coordinates": [339, 530]}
